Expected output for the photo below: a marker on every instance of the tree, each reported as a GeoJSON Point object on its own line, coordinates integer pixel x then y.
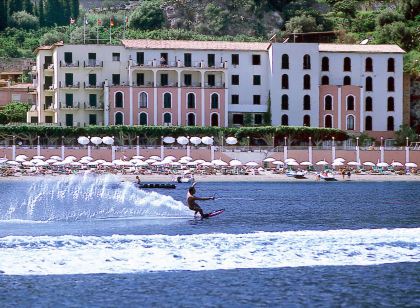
{"type": "Point", "coordinates": [15, 6]}
{"type": "Point", "coordinates": [54, 13]}
{"type": "Point", "coordinates": [16, 111]}
{"type": "Point", "coordinates": [23, 20]}
{"type": "Point", "coordinates": [51, 37]}
{"type": "Point", "coordinates": [74, 8]}
{"type": "Point", "coordinates": [3, 118]}
{"type": "Point", "coordinates": [410, 8]}
{"type": "Point", "coordinates": [216, 18]}
{"type": "Point", "coordinates": [388, 17]}
{"type": "Point", "coordinates": [403, 133]}
{"type": "Point", "coordinates": [28, 6]}
{"type": "Point", "coordinates": [397, 33]}
{"type": "Point", "coordinates": [267, 114]}
{"type": "Point", "coordinates": [147, 16]}
{"type": "Point", "coordinates": [41, 17]}
{"type": "Point", "coordinates": [303, 23]}
{"type": "Point", "coordinates": [3, 14]}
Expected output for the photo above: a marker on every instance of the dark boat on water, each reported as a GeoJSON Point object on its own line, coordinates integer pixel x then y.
{"type": "Point", "coordinates": [156, 185]}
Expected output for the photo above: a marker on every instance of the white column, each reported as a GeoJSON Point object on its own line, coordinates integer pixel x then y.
{"type": "Point", "coordinates": [339, 108]}
{"type": "Point", "coordinates": [358, 154]}
{"type": "Point", "coordinates": [155, 100]}
{"type": "Point", "coordinates": [89, 151]}
{"type": "Point", "coordinates": [226, 103]}
{"type": "Point", "coordinates": [162, 151]}
{"type": "Point", "coordinates": [362, 111]}
{"type": "Point", "coordinates": [38, 147]}
{"type": "Point", "coordinates": [130, 84]}
{"type": "Point", "coordinates": [407, 154]}
{"type": "Point", "coordinates": [333, 149]}
{"type": "Point", "coordinates": [62, 151]}
{"type": "Point", "coordinates": [188, 150]}
{"type": "Point", "coordinates": [203, 121]}
{"type": "Point", "coordinates": [179, 98]}
{"type": "Point", "coordinates": [211, 153]}
{"type": "Point", "coordinates": [106, 103]}
{"type": "Point", "coordinates": [113, 153]}
{"type": "Point", "coordinates": [285, 149]}
{"type": "Point", "coordinates": [382, 148]}
{"type": "Point", "coordinates": [13, 152]}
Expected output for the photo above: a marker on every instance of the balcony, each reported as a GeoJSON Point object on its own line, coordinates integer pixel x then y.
{"type": "Point", "coordinates": [69, 106]}
{"type": "Point", "coordinates": [69, 64]}
{"type": "Point", "coordinates": [88, 106]}
{"type": "Point", "coordinates": [48, 66]}
{"type": "Point", "coordinates": [48, 87]}
{"type": "Point", "coordinates": [147, 84]}
{"type": "Point", "coordinates": [192, 85]}
{"type": "Point", "coordinates": [69, 86]}
{"type": "Point", "coordinates": [169, 85]}
{"type": "Point", "coordinates": [98, 86]}
{"type": "Point", "coordinates": [93, 64]}
{"type": "Point", "coordinates": [215, 85]}
{"type": "Point", "coordinates": [49, 107]}
{"type": "Point", "coordinates": [180, 64]}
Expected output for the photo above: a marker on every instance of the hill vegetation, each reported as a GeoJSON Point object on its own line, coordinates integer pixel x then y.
{"type": "Point", "coordinates": [26, 24]}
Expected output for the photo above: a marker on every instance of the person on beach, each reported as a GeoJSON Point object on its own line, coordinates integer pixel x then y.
{"type": "Point", "coordinates": [193, 206]}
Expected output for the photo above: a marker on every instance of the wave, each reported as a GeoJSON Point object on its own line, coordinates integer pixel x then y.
{"type": "Point", "coordinates": [45, 255]}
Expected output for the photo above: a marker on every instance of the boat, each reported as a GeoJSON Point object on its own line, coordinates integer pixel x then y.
{"type": "Point", "coordinates": [296, 174]}
{"type": "Point", "coordinates": [156, 185]}
{"type": "Point", "coordinates": [329, 177]}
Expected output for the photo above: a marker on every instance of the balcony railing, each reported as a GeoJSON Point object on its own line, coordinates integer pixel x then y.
{"type": "Point", "coordinates": [49, 87]}
{"type": "Point", "coordinates": [69, 86]}
{"type": "Point", "coordinates": [169, 84]}
{"type": "Point", "coordinates": [88, 106]}
{"type": "Point", "coordinates": [145, 84]}
{"type": "Point", "coordinates": [69, 64]}
{"type": "Point", "coordinates": [181, 64]}
{"type": "Point", "coordinates": [192, 84]}
{"type": "Point", "coordinates": [49, 107]}
{"type": "Point", "coordinates": [48, 66]}
{"type": "Point", "coordinates": [92, 86]}
{"type": "Point", "coordinates": [215, 85]}
{"type": "Point", "coordinates": [93, 63]}
{"type": "Point", "coordinates": [69, 105]}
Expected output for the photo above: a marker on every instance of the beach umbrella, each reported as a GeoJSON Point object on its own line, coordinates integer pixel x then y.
{"type": "Point", "coordinates": [353, 163]}
{"type": "Point", "coordinates": [83, 140]}
{"type": "Point", "coordinates": [269, 160]}
{"type": "Point", "coordinates": [38, 157]}
{"type": "Point", "coordinates": [20, 159]}
{"type": "Point", "coordinates": [170, 158]}
{"type": "Point", "coordinates": [51, 161]}
{"type": "Point", "coordinates": [175, 164]}
{"type": "Point", "coordinates": [100, 161]}
{"type": "Point", "coordinates": [55, 157]}
{"type": "Point", "coordinates": [368, 163]}
{"type": "Point", "coordinates": [199, 161]}
{"type": "Point", "coordinates": [134, 161]}
{"type": "Point", "coordinates": [207, 164]}
{"type": "Point", "coordinates": [75, 164]}
{"type": "Point", "coordinates": [183, 161]}
{"type": "Point", "coordinates": [96, 140]}
{"type": "Point", "coordinates": [293, 163]}
{"type": "Point", "coordinates": [84, 162]}
{"type": "Point", "coordinates": [157, 163]}
{"type": "Point", "coordinates": [338, 163]}
{"type": "Point", "coordinates": [195, 140]}
{"type": "Point", "coordinates": [191, 163]}
{"type": "Point", "coordinates": [71, 157]}
{"type": "Point", "coordinates": [411, 165]}
{"type": "Point", "coordinates": [150, 161]}
{"type": "Point", "coordinates": [88, 158]}
{"type": "Point", "coordinates": [231, 140]}
{"type": "Point", "coordinates": [306, 163]}
{"type": "Point", "coordinates": [340, 159]}
{"type": "Point", "coordinates": [108, 140]}
{"type": "Point", "coordinates": [92, 163]}
{"type": "Point", "coordinates": [59, 163]}
{"type": "Point", "coordinates": [3, 160]}
{"type": "Point", "coordinates": [383, 164]}
{"type": "Point", "coordinates": [396, 164]}
{"type": "Point", "coordinates": [13, 163]}
{"type": "Point", "coordinates": [251, 164]}
{"type": "Point", "coordinates": [182, 140]}
{"type": "Point", "coordinates": [141, 164]}
{"type": "Point", "coordinates": [28, 164]}
{"type": "Point", "coordinates": [168, 139]}
{"type": "Point", "coordinates": [235, 163]}
{"type": "Point", "coordinates": [22, 156]}
{"type": "Point", "coordinates": [137, 157]}
{"type": "Point", "coordinates": [219, 162]}
{"type": "Point", "coordinates": [207, 140]}
{"type": "Point", "coordinates": [155, 157]}
{"type": "Point", "coordinates": [107, 164]}
{"type": "Point", "coordinates": [36, 160]}
{"type": "Point", "coordinates": [321, 163]}
{"type": "Point", "coordinates": [278, 162]}
{"type": "Point", "coordinates": [186, 158]}
{"type": "Point", "coordinates": [41, 164]}
{"type": "Point", "coordinates": [288, 160]}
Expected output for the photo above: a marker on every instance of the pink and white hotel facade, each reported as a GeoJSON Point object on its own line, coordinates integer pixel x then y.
{"type": "Point", "coordinates": [358, 88]}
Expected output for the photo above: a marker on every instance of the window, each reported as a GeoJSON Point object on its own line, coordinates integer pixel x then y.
{"type": "Point", "coordinates": [235, 59]}
{"type": "Point", "coordinates": [164, 80]}
{"type": "Point", "coordinates": [325, 80]}
{"type": "Point", "coordinates": [115, 56]}
{"type": "Point", "coordinates": [211, 60]}
{"type": "Point", "coordinates": [69, 100]}
{"type": "Point", "coordinates": [119, 118]}
{"type": "Point", "coordinates": [284, 102]}
{"type": "Point", "coordinates": [256, 80]}
{"type": "Point", "coordinates": [211, 80]}
{"type": "Point", "coordinates": [368, 104]}
{"type": "Point", "coordinates": [368, 123]}
{"type": "Point", "coordinates": [391, 65]}
{"type": "Point", "coordinates": [187, 60]}
{"type": "Point", "coordinates": [256, 60]}
{"type": "Point", "coordinates": [92, 57]}
{"type": "Point", "coordinates": [256, 100]}
{"type": "Point", "coordinates": [238, 119]}
{"type": "Point", "coordinates": [391, 84]}
{"type": "Point", "coordinates": [325, 64]}
{"type": "Point", "coordinates": [68, 57]}
{"type": "Point", "coordinates": [48, 102]}
{"type": "Point", "coordinates": [119, 100]}
{"type": "Point", "coordinates": [35, 119]}
{"type": "Point", "coordinates": [48, 61]}
{"type": "Point", "coordinates": [368, 84]}
{"type": "Point", "coordinates": [191, 100]}
{"type": "Point", "coordinates": [235, 80]}
{"type": "Point", "coordinates": [92, 80]}
{"type": "Point", "coordinates": [347, 64]}
{"type": "Point", "coordinates": [390, 123]}
{"type": "Point", "coordinates": [167, 118]}
{"type": "Point", "coordinates": [306, 62]}
{"type": "Point", "coordinates": [235, 99]}
{"type": "Point", "coordinates": [368, 65]}
{"type": "Point", "coordinates": [191, 119]}
{"type": "Point", "coordinates": [69, 119]}
{"type": "Point", "coordinates": [328, 102]}
{"type": "Point", "coordinates": [346, 81]}
{"type": "Point", "coordinates": [143, 118]}
{"type": "Point", "coordinates": [306, 82]}
{"type": "Point", "coordinates": [140, 79]}
{"type": "Point", "coordinates": [285, 81]}
{"type": "Point", "coordinates": [258, 119]}
{"type": "Point", "coordinates": [306, 120]}
{"type": "Point", "coordinates": [350, 102]}
{"type": "Point", "coordinates": [328, 121]}
{"type": "Point", "coordinates": [48, 119]}
{"type": "Point", "coordinates": [306, 102]}
{"type": "Point", "coordinates": [115, 79]}
{"type": "Point", "coordinates": [92, 119]}
{"type": "Point", "coordinates": [284, 120]}
{"type": "Point", "coordinates": [140, 58]}
{"type": "Point", "coordinates": [390, 104]}
{"type": "Point", "coordinates": [214, 119]}
{"type": "Point", "coordinates": [167, 100]}
{"type": "Point", "coordinates": [188, 80]}
{"type": "Point", "coordinates": [68, 79]}
{"type": "Point", "coordinates": [350, 122]}
{"type": "Point", "coordinates": [143, 100]}
{"type": "Point", "coordinates": [93, 100]}
{"type": "Point", "coordinates": [285, 62]}
{"type": "Point", "coordinates": [214, 101]}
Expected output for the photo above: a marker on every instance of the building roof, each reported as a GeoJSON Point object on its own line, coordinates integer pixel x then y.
{"type": "Point", "coordinates": [49, 47]}
{"type": "Point", "coordinates": [195, 45]}
{"type": "Point", "coordinates": [360, 48]}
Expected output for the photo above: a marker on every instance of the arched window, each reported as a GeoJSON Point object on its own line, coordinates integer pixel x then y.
{"type": "Point", "coordinates": [143, 118]}
{"type": "Point", "coordinates": [347, 64]}
{"type": "Point", "coordinates": [325, 64]}
{"type": "Point", "coordinates": [191, 100]}
{"type": "Point", "coordinates": [368, 65]}
{"type": "Point", "coordinates": [306, 102]}
{"type": "Point", "coordinates": [191, 119]}
{"type": "Point", "coordinates": [306, 62]}
{"type": "Point", "coordinates": [284, 120]}
{"type": "Point", "coordinates": [368, 104]}
{"type": "Point", "coordinates": [350, 102]}
{"type": "Point", "coordinates": [350, 122]}
{"type": "Point", "coordinates": [368, 84]}
{"type": "Point", "coordinates": [328, 121]}
{"type": "Point", "coordinates": [285, 62]}
{"type": "Point", "coordinates": [143, 100]}
{"type": "Point", "coordinates": [390, 123]}
{"type": "Point", "coordinates": [346, 81]}
{"type": "Point", "coordinates": [368, 123]}
{"type": "Point", "coordinates": [119, 118]}
{"type": "Point", "coordinates": [328, 102]}
{"type": "Point", "coordinates": [214, 101]}
{"type": "Point", "coordinates": [167, 100]}
{"type": "Point", "coordinates": [391, 84]}
{"type": "Point", "coordinates": [214, 119]}
{"type": "Point", "coordinates": [284, 102]}
{"type": "Point", "coordinates": [119, 100]}
{"type": "Point", "coordinates": [391, 65]}
{"type": "Point", "coordinates": [306, 82]}
{"type": "Point", "coordinates": [390, 104]}
{"type": "Point", "coordinates": [325, 80]}
{"type": "Point", "coordinates": [285, 81]}
{"type": "Point", "coordinates": [167, 118]}
{"type": "Point", "coordinates": [306, 120]}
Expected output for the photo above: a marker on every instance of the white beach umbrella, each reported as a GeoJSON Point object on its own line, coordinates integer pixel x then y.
{"type": "Point", "coordinates": [137, 157]}
{"type": "Point", "coordinates": [195, 140]}
{"type": "Point", "coordinates": [100, 161]}
{"type": "Point", "coordinates": [219, 162]}
{"type": "Point", "coordinates": [96, 140]}
{"type": "Point", "coordinates": [183, 161]}
{"type": "Point", "coordinates": [340, 159]}
{"type": "Point", "coordinates": [182, 140]}
{"type": "Point", "coordinates": [288, 160]}
{"type": "Point", "coordinates": [321, 163]}
{"type": "Point", "coordinates": [36, 160]}
{"type": "Point", "coordinates": [269, 160]}
{"type": "Point", "coordinates": [155, 157]}
{"type": "Point", "coordinates": [368, 163]}
{"type": "Point", "coordinates": [168, 139]}
{"type": "Point", "coordinates": [88, 158]}
{"type": "Point", "coordinates": [306, 163]}
{"type": "Point", "coordinates": [51, 161]}
{"type": "Point", "coordinates": [108, 140]}
{"type": "Point", "coordinates": [396, 164]}
{"type": "Point", "coordinates": [235, 163]}
{"type": "Point", "coordinates": [41, 164]}
{"type": "Point", "coordinates": [293, 163]}
{"type": "Point", "coordinates": [191, 163]}
{"type": "Point", "coordinates": [278, 162]}
{"type": "Point", "coordinates": [56, 157]}
{"type": "Point", "coordinates": [411, 165]}
{"type": "Point", "coordinates": [22, 156]}
{"type": "Point", "coordinates": [170, 158]}
{"type": "Point", "coordinates": [28, 164]}
{"type": "Point", "coordinates": [199, 161]}
{"type": "Point", "coordinates": [175, 164]}
{"type": "Point", "coordinates": [13, 163]}
{"type": "Point", "coordinates": [135, 161]}
{"type": "Point", "coordinates": [383, 164]}
{"type": "Point", "coordinates": [84, 162]}
{"type": "Point", "coordinates": [92, 163]}
{"type": "Point", "coordinates": [207, 140]}
{"type": "Point", "coordinates": [157, 163]}
{"type": "Point", "coordinates": [83, 140]}
{"type": "Point", "coordinates": [3, 160]}
{"type": "Point", "coordinates": [338, 163]}
{"type": "Point", "coordinates": [59, 163]}
{"type": "Point", "coordinates": [141, 164]}
{"type": "Point", "coordinates": [207, 164]}
{"type": "Point", "coordinates": [189, 158]}
{"type": "Point", "coordinates": [108, 164]}
{"type": "Point", "coordinates": [118, 162]}
{"type": "Point", "coordinates": [20, 159]}
{"type": "Point", "coordinates": [71, 157]}
{"type": "Point", "coordinates": [150, 161]}
{"type": "Point", "coordinates": [353, 163]}
{"type": "Point", "coordinates": [75, 164]}
{"type": "Point", "coordinates": [231, 140]}
{"type": "Point", "coordinates": [252, 164]}
{"type": "Point", "coordinates": [38, 157]}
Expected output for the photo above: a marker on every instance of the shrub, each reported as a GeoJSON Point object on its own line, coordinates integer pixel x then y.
{"type": "Point", "coordinates": [24, 20]}
{"type": "Point", "coordinates": [147, 16]}
{"type": "Point", "coordinates": [52, 37]}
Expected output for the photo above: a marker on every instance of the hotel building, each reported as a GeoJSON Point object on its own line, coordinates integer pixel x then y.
{"type": "Point", "coordinates": [358, 88]}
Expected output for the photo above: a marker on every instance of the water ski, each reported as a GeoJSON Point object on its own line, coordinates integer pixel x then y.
{"type": "Point", "coordinates": [214, 213]}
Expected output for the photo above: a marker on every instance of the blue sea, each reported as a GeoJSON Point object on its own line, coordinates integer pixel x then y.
{"type": "Point", "coordinates": [98, 242]}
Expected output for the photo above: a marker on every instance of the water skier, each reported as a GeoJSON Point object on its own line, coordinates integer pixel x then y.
{"type": "Point", "coordinates": [191, 198]}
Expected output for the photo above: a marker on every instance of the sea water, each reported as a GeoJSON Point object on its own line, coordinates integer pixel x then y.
{"type": "Point", "coordinates": [99, 242]}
